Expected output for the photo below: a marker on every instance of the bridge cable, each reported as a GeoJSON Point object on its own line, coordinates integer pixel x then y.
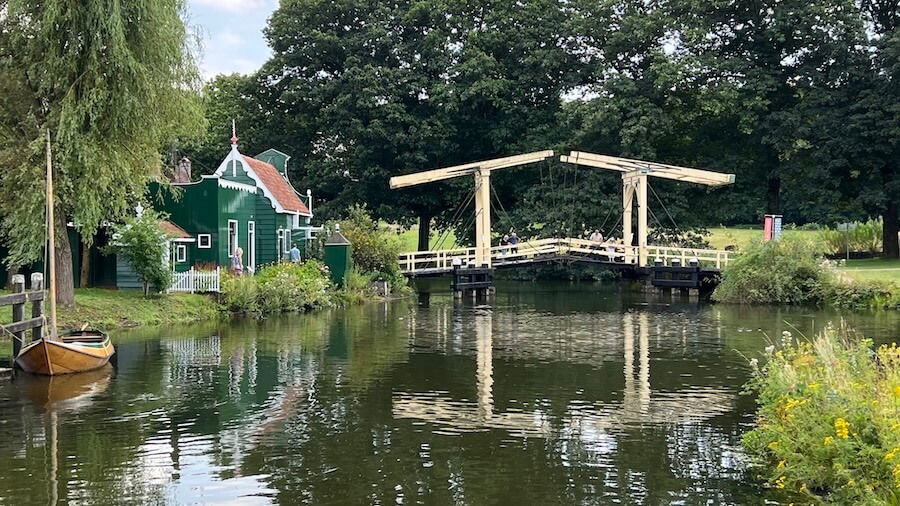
{"type": "Point", "coordinates": [507, 215]}
{"type": "Point", "coordinates": [456, 216]}
{"type": "Point", "coordinates": [663, 206]}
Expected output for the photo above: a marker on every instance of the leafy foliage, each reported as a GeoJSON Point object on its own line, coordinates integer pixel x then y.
{"type": "Point", "coordinates": [113, 86]}
{"type": "Point", "coordinates": [777, 272]}
{"type": "Point", "coordinates": [375, 249]}
{"type": "Point", "coordinates": [279, 288]}
{"type": "Point", "coordinates": [142, 243]}
{"type": "Point", "coordinates": [827, 420]}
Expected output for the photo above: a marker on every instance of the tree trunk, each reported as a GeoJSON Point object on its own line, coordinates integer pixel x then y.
{"type": "Point", "coordinates": [891, 217]}
{"type": "Point", "coordinates": [85, 277]}
{"type": "Point", "coordinates": [65, 280]}
{"type": "Point", "coordinates": [10, 272]}
{"type": "Point", "coordinates": [773, 195]}
{"type": "Point", "coordinates": [424, 230]}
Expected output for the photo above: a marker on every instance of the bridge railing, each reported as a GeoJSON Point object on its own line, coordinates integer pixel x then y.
{"type": "Point", "coordinates": [424, 261]}
{"type": "Point", "coordinates": [707, 257]}
{"type": "Point", "coordinates": [528, 251]}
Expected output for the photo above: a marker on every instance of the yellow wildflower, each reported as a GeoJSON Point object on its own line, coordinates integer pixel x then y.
{"type": "Point", "coordinates": [779, 483]}
{"type": "Point", "coordinates": [897, 390]}
{"type": "Point", "coordinates": [891, 454]}
{"type": "Point", "coordinates": [773, 445]}
{"type": "Point", "coordinates": [780, 465]}
{"type": "Point", "coordinates": [813, 385]}
{"type": "Point", "coordinates": [828, 440]}
{"type": "Point", "coordinates": [842, 428]}
{"type": "Point", "coordinates": [803, 489]}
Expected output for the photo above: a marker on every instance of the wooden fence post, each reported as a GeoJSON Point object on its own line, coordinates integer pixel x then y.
{"type": "Point", "coordinates": [37, 307]}
{"type": "Point", "coordinates": [18, 312]}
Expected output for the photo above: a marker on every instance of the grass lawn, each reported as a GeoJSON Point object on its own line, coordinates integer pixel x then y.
{"type": "Point", "coordinates": [720, 237]}
{"type": "Point", "coordinates": [117, 308]}
{"type": "Point", "coordinates": [873, 269]}
{"type": "Point", "coordinates": [409, 239]}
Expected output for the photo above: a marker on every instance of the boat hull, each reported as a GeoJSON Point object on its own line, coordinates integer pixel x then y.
{"type": "Point", "coordinates": [79, 352]}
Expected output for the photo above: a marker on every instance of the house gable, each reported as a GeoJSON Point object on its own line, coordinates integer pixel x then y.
{"type": "Point", "coordinates": [233, 170]}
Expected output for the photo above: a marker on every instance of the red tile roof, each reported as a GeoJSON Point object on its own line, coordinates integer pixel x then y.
{"type": "Point", "coordinates": [173, 230]}
{"type": "Point", "coordinates": [276, 184]}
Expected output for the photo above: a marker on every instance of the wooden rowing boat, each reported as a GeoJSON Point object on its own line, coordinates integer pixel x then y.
{"type": "Point", "coordinates": [76, 351]}
{"type": "Point", "coordinates": [70, 352]}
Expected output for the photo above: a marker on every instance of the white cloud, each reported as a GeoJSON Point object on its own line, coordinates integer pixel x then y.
{"type": "Point", "coordinates": [231, 5]}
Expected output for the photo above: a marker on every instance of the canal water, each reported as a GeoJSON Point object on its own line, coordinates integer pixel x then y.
{"type": "Point", "coordinates": [546, 394]}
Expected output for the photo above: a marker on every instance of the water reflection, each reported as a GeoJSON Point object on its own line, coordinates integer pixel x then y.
{"type": "Point", "coordinates": [547, 394]}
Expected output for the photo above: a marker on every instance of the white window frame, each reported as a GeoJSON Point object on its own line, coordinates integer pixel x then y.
{"type": "Point", "coordinates": [180, 254]}
{"type": "Point", "coordinates": [204, 241]}
{"type": "Point", "coordinates": [251, 244]}
{"type": "Point", "coordinates": [233, 239]}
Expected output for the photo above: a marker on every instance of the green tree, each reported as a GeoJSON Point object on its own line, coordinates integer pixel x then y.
{"type": "Point", "coordinates": [402, 87]}
{"type": "Point", "coordinates": [142, 243]}
{"type": "Point", "coordinates": [113, 82]}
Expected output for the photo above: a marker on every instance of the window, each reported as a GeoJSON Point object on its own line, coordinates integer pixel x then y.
{"type": "Point", "coordinates": [281, 243]}
{"type": "Point", "coordinates": [204, 241]}
{"type": "Point", "coordinates": [287, 241]}
{"type": "Point", "coordinates": [232, 236]}
{"type": "Point", "coordinates": [181, 254]}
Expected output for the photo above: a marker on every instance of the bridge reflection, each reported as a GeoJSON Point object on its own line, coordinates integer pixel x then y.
{"type": "Point", "coordinates": [639, 403]}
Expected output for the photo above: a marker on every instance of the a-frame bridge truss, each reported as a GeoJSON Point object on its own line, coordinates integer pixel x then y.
{"type": "Point", "coordinates": [635, 185]}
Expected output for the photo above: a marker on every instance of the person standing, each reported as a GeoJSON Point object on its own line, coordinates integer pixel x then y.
{"type": "Point", "coordinates": [513, 242]}
{"type": "Point", "coordinates": [295, 254]}
{"type": "Point", "coordinates": [237, 261]}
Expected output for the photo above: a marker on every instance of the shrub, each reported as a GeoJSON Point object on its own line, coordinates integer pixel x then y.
{"type": "Point", "coordinates": [142, 243]}
{"type": "Point", "coordinates": [828, 422]}
{"type": "Point", "coordinates": [788, 271]}
{"type": "Point", "coordinates": [278, 288]}
{"type": "Point", "coordinates": [240, 294]}
{"type": "Point", "coordinates": [357, 288]}
{"type": "Point", "coordinates": [375, 248]}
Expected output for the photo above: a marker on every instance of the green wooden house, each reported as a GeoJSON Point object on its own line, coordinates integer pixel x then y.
{"type": "Point", "coordinates": [248, 203]}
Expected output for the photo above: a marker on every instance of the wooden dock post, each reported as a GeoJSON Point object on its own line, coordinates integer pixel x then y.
{"type": "Point", "coordinates": [18, 312]}
{"type": "Point", "coordinates": [37, 307]}
{"type": "Point", "coordinates": [19, 325]}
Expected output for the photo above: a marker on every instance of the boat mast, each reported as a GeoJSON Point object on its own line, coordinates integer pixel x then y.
{"type": "Point", "coordinates": [51, 254]}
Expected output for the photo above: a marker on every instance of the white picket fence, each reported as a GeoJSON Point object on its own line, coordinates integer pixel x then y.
{"type": "Point", "coordinates": [196, 281]}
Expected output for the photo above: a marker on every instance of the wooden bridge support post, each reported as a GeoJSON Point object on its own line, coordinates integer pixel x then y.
{"type": "Point", "coordinates": [627, 206]}
{"type": "Point", "coordinates": [634, 187]}
{"type": "Point", "coordinates": [642, 220]}
{"type": "Point", "coordinates": [483, 218]}
{"type": "Point", "coordinates": [18, 313]}
{"type": "Point", "coordinates": [37, 307]}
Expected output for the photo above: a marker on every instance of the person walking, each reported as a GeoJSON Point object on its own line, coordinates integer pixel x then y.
{"type": "Point", "coordinates": [237, 261]}
{"type": "Point", "coordinates": [295, 254]}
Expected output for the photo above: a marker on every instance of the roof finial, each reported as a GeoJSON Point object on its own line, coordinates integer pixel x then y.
{"type": "Point", "coordinates": [234, 137]}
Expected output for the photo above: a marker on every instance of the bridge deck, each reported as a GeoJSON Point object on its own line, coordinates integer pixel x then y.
{"type": "Point", "coordinates": [425, 263]}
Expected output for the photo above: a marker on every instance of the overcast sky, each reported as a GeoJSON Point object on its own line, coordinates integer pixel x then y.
{"type": "Point", "coordinates": [232, 34]}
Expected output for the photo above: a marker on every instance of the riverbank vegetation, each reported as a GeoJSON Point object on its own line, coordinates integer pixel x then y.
{"type": "Point", "coordinates": [796, 272]}
{"type": "Point", "coordinates": [828, 423]}
{"type": "Point", "coordinates": [289, 287]}
{"type": "Point", "coordinates": [108, 309]}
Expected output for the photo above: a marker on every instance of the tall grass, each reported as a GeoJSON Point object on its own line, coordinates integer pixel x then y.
{"type": "Point", "coordinates": [865, 238]}
{"type": "Point", "coordinates": [828, 423]}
